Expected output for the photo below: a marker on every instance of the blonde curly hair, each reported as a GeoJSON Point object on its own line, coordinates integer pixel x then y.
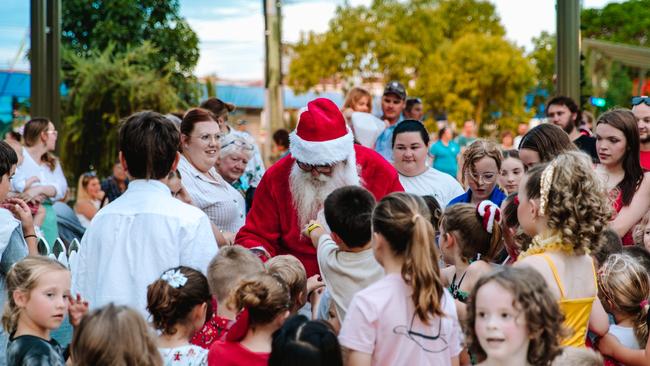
{"type": "Point", "coordinates": [577, 207]}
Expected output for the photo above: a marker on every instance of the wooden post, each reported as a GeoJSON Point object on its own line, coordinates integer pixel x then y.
{"type": "Point", "coordinates": [568, 49]}
{"type": "Point", "coordinates": [274, 107]}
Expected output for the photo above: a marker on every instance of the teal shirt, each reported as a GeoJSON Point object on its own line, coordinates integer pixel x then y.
{"type": "Point", "coordinates": [445, 157]}
{"type": "Point", "coordinates": [463, 141]}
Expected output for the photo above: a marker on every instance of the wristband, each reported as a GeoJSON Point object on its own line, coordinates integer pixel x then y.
{"type": "Point", "coordinates": [30, 236]}
{"type": "Point", "coordinates": [312, 227]}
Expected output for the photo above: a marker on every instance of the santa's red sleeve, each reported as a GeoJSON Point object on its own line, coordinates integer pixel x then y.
{"type": "Point", "coordinates": [262, 228]}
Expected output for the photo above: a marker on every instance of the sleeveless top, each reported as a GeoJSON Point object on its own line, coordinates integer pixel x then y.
{"type": "Point", "coordinates": [627, 239]}
{"type": "Point", "coordinates": [576, 311]}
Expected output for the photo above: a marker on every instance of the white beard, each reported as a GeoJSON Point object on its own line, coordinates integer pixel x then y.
{"type": "Point", "coordinates": [309, 193]}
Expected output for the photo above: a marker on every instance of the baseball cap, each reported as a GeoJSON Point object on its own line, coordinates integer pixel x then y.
{"type": "Point", "coordinates": [395, 87]}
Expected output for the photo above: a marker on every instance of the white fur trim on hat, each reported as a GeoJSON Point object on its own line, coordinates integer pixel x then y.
{"type": "Point", "coordinates": [321, 152]}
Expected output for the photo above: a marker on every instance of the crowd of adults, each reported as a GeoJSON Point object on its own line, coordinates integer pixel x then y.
{"type": "Point", "coordinates": [184, 187]}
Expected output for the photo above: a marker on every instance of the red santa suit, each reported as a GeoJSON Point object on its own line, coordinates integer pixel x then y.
{"type": "Point", "coordinates": [320, 138]}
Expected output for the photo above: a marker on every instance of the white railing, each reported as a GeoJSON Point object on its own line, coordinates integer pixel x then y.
{"type": "Point", "coordinates": [68, 257]}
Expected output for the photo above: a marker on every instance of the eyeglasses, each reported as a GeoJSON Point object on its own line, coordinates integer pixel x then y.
{"type": "Point", "coordinates": [642, 99]}
{"type": "Point", "coordinates": [207, 138]}
{"type": "Point", "coordinates": [488, 177]}
{"type": "Point", "coordinates": [239, 143]}
{"type": "Point", "coordinates": [324, 169]}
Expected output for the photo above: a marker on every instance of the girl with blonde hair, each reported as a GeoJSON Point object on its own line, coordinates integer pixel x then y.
{"type": "Point", "coordinates": [480, 171]}
{"type": "Point", "coordinates": [563, 206]}
{"type": "Point", "coordinates": [89, 198]}
{"type": "Point", "coordinates": [417, 323]}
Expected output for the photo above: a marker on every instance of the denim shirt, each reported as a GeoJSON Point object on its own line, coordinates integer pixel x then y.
{"type": "Point", "coordinates": [384, 143]}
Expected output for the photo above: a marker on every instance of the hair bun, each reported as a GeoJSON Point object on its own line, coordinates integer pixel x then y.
{"type": "Point", "coordinates": [490, 214]}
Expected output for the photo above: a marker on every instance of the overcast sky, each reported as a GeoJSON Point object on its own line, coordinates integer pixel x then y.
{"type": "Point", "coordinates": [231, 32]}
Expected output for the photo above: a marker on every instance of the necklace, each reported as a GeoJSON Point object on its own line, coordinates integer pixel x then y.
{"type": "Point", "coordinates": [542, 244]}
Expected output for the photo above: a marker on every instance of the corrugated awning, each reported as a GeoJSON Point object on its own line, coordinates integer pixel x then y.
{"type": "Point", "coordinates": [633, 56]}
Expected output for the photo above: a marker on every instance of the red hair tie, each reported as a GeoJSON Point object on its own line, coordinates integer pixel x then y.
{"type": "Point", "coordinates": [644, 303]}
{"type": "Point", "coordinates": [516, 200]}
{"type": "Point", "coordinates": [490, 214]}
{"type": "Point", "coordinates": [238, 331]}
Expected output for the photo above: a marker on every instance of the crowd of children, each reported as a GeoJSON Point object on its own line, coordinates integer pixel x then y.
{"type": "Point", "coordinates": [533, 265]}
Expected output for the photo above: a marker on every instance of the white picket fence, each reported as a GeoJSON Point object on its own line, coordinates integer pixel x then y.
{"type": "Point", "coordinates": [68, 257]}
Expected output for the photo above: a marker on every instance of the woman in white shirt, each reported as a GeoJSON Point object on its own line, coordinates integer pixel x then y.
{"type": "Point", "coordinates": [39, 177]}
{"type": "Point", "coordinates": [200, 144]}
{"type": "Point", "coordinates": [410, 148]}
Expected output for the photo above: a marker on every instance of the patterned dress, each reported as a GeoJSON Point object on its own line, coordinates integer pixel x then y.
{"type": "Point", "coordinates": [188, 355]}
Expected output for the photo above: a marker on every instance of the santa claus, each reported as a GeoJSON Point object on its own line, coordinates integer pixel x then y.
{"type": "Point", "coordinates": [323, 157]}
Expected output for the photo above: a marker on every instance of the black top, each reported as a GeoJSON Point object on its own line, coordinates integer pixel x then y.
{"type": "Point", "coordinates": [588, 145]}
{"type": "Point", "coordinates": [29, 350]}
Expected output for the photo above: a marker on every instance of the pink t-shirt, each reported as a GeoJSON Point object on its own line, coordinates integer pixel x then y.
{"type": "Point", "coordinates": [381, 321]}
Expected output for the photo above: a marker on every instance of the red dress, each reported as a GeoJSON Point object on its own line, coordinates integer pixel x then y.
{"type": "Point", "coordinates": [627, 239]}
{"type": "Point", "coordinates": [234, 354]}
{"type": "Point", "coordinates": [272, 222]}
{"type": "Point", "coordinates": [213, 330]}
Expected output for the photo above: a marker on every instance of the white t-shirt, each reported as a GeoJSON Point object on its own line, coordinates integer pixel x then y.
{"type": "Point", "coordinates": [381, 321]}
{"type": "Point", "coordinates": [134, 239]}
{"type": "Point", "coordinates": [188, 355]}
{"type": "Point", "coordinates": [29, 168]}
{"type": "Point", "coordinates": [346, 273]}
{"type": "Point", "coordinates": [625, 335]}
{"type": "Point", "coordinates": [434, 183]}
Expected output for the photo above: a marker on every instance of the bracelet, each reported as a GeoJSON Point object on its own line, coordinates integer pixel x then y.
{"type": "Point", "coordinates": [30, 236]}
{"type": "Point", "coordinates": [312, 227]}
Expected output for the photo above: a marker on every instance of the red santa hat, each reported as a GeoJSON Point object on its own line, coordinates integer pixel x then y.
{"type": "Point", "coordinates": [322, 137]}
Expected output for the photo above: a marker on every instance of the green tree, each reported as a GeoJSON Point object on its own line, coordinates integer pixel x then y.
{"type": "Point", "coordinates": [106, 87]}
{"type": "Point", "coordinates": [626, 22]}
{"type": "Point", "coordinates": [478, 77]}
{"type": "Point", "coordinates": [92, 25]}
{"type": "Point", "coordinates": [543, 57]}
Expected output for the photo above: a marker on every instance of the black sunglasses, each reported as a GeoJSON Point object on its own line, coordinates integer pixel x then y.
{"type": "Point", "coordinates": [639, 100]}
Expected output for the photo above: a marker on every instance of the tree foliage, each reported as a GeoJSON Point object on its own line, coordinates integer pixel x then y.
{"type": "Point", "coordinates": [106, 87]}
{"type": "Point", "coordinates": [413, 42]}
{"type": "Point", "coordinates": [626, 22]}
{"type": "Point", "coordinates": [543, 57]}
{"type": "Point", "coordinates": [92, 25]}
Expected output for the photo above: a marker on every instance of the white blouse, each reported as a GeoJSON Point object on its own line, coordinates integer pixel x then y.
{"type": "Point", "coordinates": [29, 168]}
{"type": "Point", "coordinates": [223, 204]}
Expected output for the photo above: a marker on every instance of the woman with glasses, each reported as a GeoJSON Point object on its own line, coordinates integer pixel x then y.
{"type": "Point", "coordinates": [235, 154]}
{"type": "Point", "coordinates": [410, 141]}
{"type": "Point", "coordinates": [200, 145]}
{"type": "Point", "coordinates": [39, 177]}
{"type": "Point", "coordinates": [481, 167]}
{"type": "Point", "coordinates": [89, 198]}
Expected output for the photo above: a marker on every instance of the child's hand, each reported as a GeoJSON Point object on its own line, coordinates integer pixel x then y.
{"type": "Point", "coordinates": [30, 181]}
{"type": "Point", "coordinates": [77, 308]}
{"type": "Point", "coordinates": [21, 212]}
{"type": "Point", "coordinates": [313, 231]}
{"type": "Point", "coordinates": [314, 282]}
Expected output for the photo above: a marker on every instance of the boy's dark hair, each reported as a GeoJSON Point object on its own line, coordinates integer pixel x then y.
{"type": "Point", "coordinates": [301, 341]}
{"type": "Point", "coordinates": [609, 243]}
{"type": "Point", "coordinates": [411, 125]}
{"type": "Point", "coordinates": [281, 137]}
{"type": "Point", "coordinates": [348, 211]}
{"type": "Point", "coordinates": [640, 254]}
{"type": "Point", "coordinates": [8, 158]}
{"type": "Point", "coordinates": [149, 143]}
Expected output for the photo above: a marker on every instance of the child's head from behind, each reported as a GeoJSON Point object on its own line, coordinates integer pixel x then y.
{"type": "Point", "coordinates": [623, 286]}
{"type": "Point", "coordinates": [181, 296]}
{"type": "Point", "coordinates": [434, 210]}
{"type": "Point", "coordinates": [114, 335]}
{"type": "Point", "coordinates": [265, 297]}
{"type": "Point", "coordinates": [470, 232]}
{"type": "Point", "coordinates": [304, 342]}
{"type": "Point", "coordinates": [573, 356]}
{"type": "Point", "coordinates": [610, 243]}
{"type": "Point", "coordinates": [38, 291]}
{"type": "Point", "coordinates": [567, 198]}
{"type": "Point", "coordinates": [641, 232]}
{"type": "Point", "coordinates": [229, 267]}
{"type": "Point", "coordinates": [481, 168]}
{"type": "Point", "coordinates": [348, 211]}
{"type": "Point", "coordinates": [640, 254]}
{"type": "Point", "coordinates": [8, 161]}
{"type": "Point", "coordinates": [402, 231]}
{"type": "Point", "coordinates": [511, 311]}
{"type": "Point", "coordinates": [292, 272]}
{"type": "Point", "coordinates": [359, 100]}
{"type": "Point", "coordinates": [149, 145]}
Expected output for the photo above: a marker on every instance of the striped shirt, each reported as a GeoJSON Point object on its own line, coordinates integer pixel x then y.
{"type": "Point", "coordinates": [223, 204]}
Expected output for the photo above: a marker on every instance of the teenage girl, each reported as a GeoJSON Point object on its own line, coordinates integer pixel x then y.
{"type": "Point", "coordinates": [563, 206]}
{"type": "Point", "coordinates": [264, 301]}
{"type": "Point", "coordinates": [38, 299]}
{"type": "Point", "coordinates": [512, 169]}
{"type": "Point", "coordinates": [481, 168]}
{"type": "Point", "coordinates": [178, 303]}
{"type": "Point", "coordinates": [470, 236]}
{"type": "Point", "coordinates": [512, 319]}
{"type": "Point", "coordinates": [417, 323]}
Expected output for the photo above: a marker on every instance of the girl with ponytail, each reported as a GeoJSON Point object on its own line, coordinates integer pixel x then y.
{"type": "Point", "coordinates": [408, 317]}
{"type": "Point", "coordinates": [264, 302]}
{"type": "Point", "coordinates": [470, 236]}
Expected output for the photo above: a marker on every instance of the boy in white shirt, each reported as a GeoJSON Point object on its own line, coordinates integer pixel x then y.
{"type": "Point", "coordinates": [345, 256]}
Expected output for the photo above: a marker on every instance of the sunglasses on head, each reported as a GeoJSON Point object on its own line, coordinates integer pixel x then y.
{"type": "Point", "coordinates": [640, 99]}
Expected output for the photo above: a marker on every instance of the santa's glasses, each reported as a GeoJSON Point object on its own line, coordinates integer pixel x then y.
{"type": "Point", "coordinates": [324, 169]}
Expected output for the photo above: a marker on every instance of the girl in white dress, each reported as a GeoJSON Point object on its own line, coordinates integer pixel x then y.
{"type": "Point", "coordinates": [178, 303]}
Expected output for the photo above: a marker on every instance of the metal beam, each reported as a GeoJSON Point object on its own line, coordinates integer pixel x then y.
{"type": "Point", "coordinates": [45, 60]}
{"type": "Point", "coordinates": [568, 48]}
{"type": "Point", "coordinates": [37, 58]}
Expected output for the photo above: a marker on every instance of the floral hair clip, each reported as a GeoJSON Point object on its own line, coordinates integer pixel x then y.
{"type": "Point", "coordinates": [174, 278]}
